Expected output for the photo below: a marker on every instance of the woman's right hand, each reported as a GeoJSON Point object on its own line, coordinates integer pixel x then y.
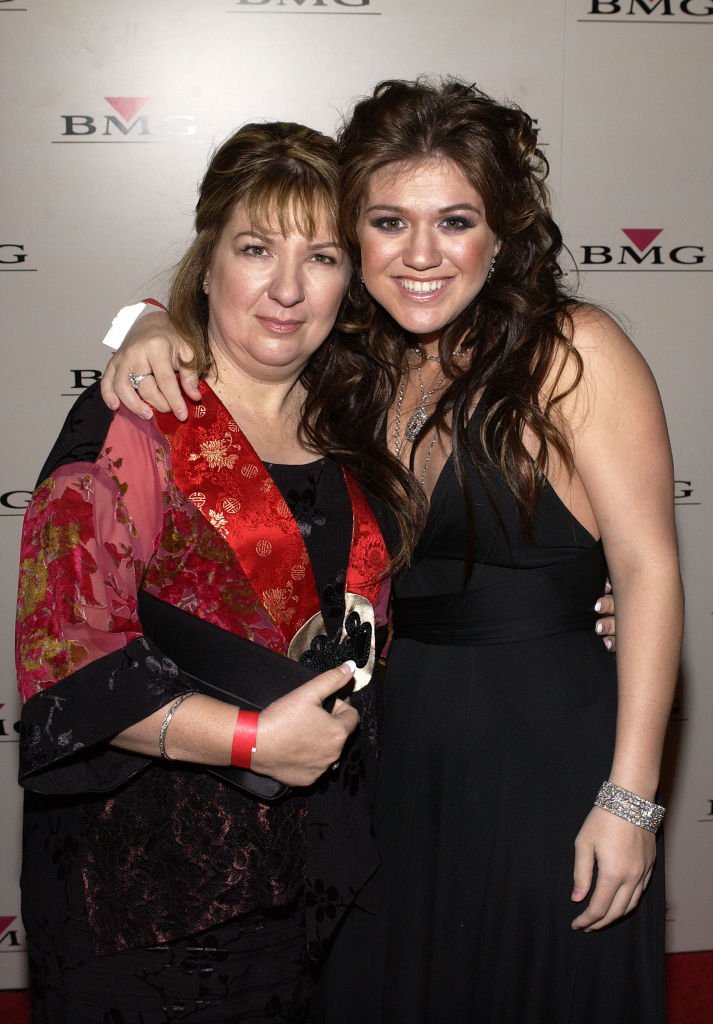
{"type": "Point", "coordinates": [152, 346]}
{"type": "Point", "coordinates": [297, 740]}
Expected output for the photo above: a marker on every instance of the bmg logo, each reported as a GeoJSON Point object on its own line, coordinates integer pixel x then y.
{"type": "Point", "coordinates": [9, 730]}
{"type": "Point", "coordinates": [646, 251]}
{"type": "Point", "coordinates": [323, 6]}
{"type": "Point", "coordinates": [683, 493]}
{"type": "Point", "coordinates": [14, 503]}
{"type": "Point", "coordinates": [681, 10]}
{"type": "Point", "coordinates": [80, 380]}
{"type": "Point", "coordinates": [12, 252]}
{"type": "Point", "coordinates": [126, 121]}
{"type": "Point", "coordinates": [13, 256]}
{"type": "Point", "coordinates": [10, 936]}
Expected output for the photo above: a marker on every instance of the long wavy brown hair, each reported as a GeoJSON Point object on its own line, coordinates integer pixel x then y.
{"type": "Point", "coordinates": [286, 175]}
{"type": "Point", "coordinates": [518, 328]}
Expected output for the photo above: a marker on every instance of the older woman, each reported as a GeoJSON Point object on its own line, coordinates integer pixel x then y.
{"type": "Point", "coordinates": [160, 559]}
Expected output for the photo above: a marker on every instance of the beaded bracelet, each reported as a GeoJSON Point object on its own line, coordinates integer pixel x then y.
{"type": "Point", "coordinates": [627, 805]}
{"type": "Point", "coordinates": [244, 739]}
{"type": "Point", "coordinates": [167, 721]}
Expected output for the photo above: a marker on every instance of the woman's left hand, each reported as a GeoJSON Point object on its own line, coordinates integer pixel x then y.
{"type": "Point", "coordinates": [624, 856]}
{"type": "Point", "coordinates": [605, 626]}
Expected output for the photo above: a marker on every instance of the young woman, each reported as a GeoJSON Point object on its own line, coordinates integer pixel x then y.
{"type": "Point", "coordinates": [536, 430]}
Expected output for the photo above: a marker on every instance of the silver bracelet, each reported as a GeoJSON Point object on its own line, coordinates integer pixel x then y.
{"type": "Point", "coordinates": [627, 805]}
{"type": "Point", "coordinates": [167, 721]}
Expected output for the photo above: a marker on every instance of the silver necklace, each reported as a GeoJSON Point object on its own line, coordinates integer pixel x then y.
{"type": "Point", "coordinates": [459, 353]}
{"type": "Point", "coordinates": [417, 419]}
{"type": "Point", "coordinates": [397, 417]}
{"type": "Point", "coordinates": [429, 453]}
{"type": "Point", "coordinates": [398, 441]}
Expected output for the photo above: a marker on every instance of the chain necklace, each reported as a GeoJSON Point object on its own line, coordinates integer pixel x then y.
{"type": "Point", "coordinates": [397, 417]}
{"type": "Point", "coordinates": [429, 453]}
{"type": "Point", "coordinates": [416, 421]}
{"type": "Point", "coordinates": [418, 418]}
{"type": "Point", "coordinates": [460, 353]}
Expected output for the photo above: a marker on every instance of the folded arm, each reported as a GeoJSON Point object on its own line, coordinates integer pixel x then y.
{"type": "Point", "coordinates": [96, 691]}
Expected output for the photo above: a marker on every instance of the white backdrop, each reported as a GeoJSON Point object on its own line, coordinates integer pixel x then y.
{"type": "Point", "coordinates": [109, 113]}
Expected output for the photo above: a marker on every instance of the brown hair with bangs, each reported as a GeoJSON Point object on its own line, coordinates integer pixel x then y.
{"type": "Point", "coordinates": [518, 327]}
{"type": "Point", "coordinates": [286, 176]}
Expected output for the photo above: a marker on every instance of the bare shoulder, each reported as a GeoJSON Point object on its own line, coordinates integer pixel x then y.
{"type": "Point", "coordinates": [589, 337]}
{"type": "Point", "coordinates": [601, 369]}
{"type": "Point", "coordinates": [599, 339]}
{"type": "Point", "coordinates": [609, 357]}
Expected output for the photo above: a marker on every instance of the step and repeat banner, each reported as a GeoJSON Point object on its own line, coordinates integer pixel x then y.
{"type": "Point", "coordinates": [109, 113]}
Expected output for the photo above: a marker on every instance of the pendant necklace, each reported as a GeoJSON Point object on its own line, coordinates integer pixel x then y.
{"type": "Point", "coordinates": [416, 421]}
{"type": "Point", "coordinates": [418, 418]}
{"type": "Point", "coordinates": [459, 353]}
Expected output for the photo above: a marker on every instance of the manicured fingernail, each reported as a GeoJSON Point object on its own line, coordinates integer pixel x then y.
{"type": "Point", "coordinates": [608, 643]}
{"type": "Point", "coordinates": [599, 627]}
{"type": "Point", "coordinates": [351, 666]}
{"type": "Point", "coordinates": [598, 606]}
{"type": "Point", "coordinates": [181, 414]}
{"type": "Point", "coordinates": [147, 414]}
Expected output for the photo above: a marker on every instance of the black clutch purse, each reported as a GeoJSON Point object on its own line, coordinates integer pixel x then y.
{"type": "Point", "coordinates": [225, 666]}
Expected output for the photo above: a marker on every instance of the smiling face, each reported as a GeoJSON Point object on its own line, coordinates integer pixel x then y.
{"type": "Point", "coordinates": [273, 298]}
{"type": "Point", "coordinates": [426, 245]}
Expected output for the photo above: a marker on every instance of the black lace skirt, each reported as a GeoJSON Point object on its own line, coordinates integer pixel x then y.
{"type": "Point", "coordinates": [252, 970]}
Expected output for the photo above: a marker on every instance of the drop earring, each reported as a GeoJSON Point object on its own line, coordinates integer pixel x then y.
{"type": "Point", "coordinates": [491, 269]}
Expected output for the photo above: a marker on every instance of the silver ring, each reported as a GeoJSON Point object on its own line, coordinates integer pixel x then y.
{"type": "Point", "coordinates": [335, 766]}
{"type": "Point", "coordinates": [136, 378]}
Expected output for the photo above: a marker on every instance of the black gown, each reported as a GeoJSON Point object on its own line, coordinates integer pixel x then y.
{"type": "Point", "coordinates": [500, 708]}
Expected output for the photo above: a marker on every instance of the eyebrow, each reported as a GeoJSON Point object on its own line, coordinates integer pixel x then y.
{"type": "Point", "coordinates": [266, 238]}
{"type": "Point", "coordinates": [443, 209]}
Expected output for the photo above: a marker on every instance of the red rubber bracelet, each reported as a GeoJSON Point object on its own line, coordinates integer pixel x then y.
{"type": "Point", "coordinates": [244, 739]}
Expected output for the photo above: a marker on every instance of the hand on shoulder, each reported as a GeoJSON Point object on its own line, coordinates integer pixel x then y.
{"type": "Point", "coordinates": [154, 352]}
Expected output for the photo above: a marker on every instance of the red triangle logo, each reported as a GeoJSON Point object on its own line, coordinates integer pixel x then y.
{"type": "Point", "coordinates": [5, 923]}
{"type": "Point", "coordinates": [642, 237]}
{"type": "Point", "coordinates": [127, 107]}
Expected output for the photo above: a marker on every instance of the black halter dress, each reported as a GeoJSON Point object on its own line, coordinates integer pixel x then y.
{"type": "Point", "coordinates": [500, 708]}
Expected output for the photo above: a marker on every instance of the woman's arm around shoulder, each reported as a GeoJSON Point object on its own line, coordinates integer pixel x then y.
{"type": "Point", "coordinates": [155, 351]}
